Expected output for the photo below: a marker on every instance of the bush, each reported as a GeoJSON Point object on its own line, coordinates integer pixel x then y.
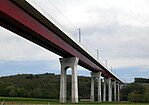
{"type": "Point", "coordinates": [146, 95]}
{"type": "Point", "coordinates": [37, 93]}
{"type": "Point", "coordinates": [134, 97]}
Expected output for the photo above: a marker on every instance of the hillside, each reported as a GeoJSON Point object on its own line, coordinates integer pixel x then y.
{"type": "Point", "coordinates": [137, 91]}
{"type": "Point", "coordinates": [47, 86]}
{"type": "Point", "coordinates": [40, 85]}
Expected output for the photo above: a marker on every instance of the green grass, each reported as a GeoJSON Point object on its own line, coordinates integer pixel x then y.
{"type": "Point", "coordinates": [35, 101]}
{"type": "Point", "coordinates": [27, 100]}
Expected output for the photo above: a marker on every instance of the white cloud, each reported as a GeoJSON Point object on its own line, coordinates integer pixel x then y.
{"type": "Point", "coordinates": [134, 12]}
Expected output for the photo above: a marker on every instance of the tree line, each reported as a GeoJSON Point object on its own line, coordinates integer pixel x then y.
{"type": "Point", "coordinates": [48, 85]}
{"type": "Point", "coordinates": [137, 91]}
{"type": "Point", "coordinates": [40, 86]}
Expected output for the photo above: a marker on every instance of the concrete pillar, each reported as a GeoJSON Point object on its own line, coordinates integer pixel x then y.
{"type": "Point", "coordinates": [66, 63]}
{"type": "Point", "coordinates": [115, 99]}
{"type": "Point", "coordinates": [95, 75]}
{"type": "Point", "coordinates": [99, 87]}
{"type": "Point", "coordinates": [92, 87]}
{"type": "Point", "coordinates": [109, 90]}
{"type": "Point", "coordinates": [74, 91]}
{"type": "Point", "coordinates": [104, 90]}
{"type": "Point", "coordinates": [63, 82]}
{"type": "Point", "coordinates": [118, 92]}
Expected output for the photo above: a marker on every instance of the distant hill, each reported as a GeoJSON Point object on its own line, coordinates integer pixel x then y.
{"type": "Point", "coordinates": [137, 91]}
{"type": "Point", "coordinates": [48, 85]}
{"type": "Point", "coordinates": [141, 80]}
{"type": "Point", "coordinates": [40, 85]}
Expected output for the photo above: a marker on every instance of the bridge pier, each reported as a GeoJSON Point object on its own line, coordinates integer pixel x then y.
{"type": "Point", "coordinates": [92, 86]}
{"type": "Point", "coordinates": [118, 92]}
{"type": "Point", "coordinates": [104, 89]}
{"type": "Point", "coordinates": [109, 90]}
{"type": "Point", "coordinates": [99, 87]}
{"type": "Point", "coordinates": [115, 98]}
{"type": "Point", "coordinates": [66, 63]}
{"type": "Point", "coordinates": [95, 75]}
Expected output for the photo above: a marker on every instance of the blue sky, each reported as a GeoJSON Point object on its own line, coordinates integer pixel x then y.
{"type": "Point", "coordinates": [34, 67]}
{"type": "Point", "coordinates": [117, 28]}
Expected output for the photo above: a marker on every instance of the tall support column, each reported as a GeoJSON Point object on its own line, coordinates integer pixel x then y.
{"type": "Point", "coordinates": [92, 87]}
{"type": "Point", "coordinates": [74, 91]}
{"type": "Point", "coordinates": [118, 92]}
{"type": "Point", "coordinates": [104, 90]}
{"type": "Point", "coordinates": [99, 87]}
{"type": "Point", "coordinates": [115, 99]}
{"type": "Point", "coordinates": [63, 82]}
{"type": "Point", "coordinates": [109, 91]}
{"type": "Point", "coordinates": [95, 75]}
{"type": "Point", "coordinates": [66, 63]}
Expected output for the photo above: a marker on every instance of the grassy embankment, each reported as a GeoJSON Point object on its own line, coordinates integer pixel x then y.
{"type": "Point", "coordinates": [35, 101]}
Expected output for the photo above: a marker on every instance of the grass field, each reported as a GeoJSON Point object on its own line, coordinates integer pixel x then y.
{"type": "Point", "coordinates": [39, 101]}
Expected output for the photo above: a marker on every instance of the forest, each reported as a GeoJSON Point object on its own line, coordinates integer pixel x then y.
{"type": "Point", "coordinates": [47, 86]}
{"type": "Point", "coordinates": [40, 86]}
{"type": "Point", "coordinates": [137, 91]}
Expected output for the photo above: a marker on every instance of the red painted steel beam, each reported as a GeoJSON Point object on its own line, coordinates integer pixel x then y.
{"type": "Point", "coordinates": [17, 19]}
